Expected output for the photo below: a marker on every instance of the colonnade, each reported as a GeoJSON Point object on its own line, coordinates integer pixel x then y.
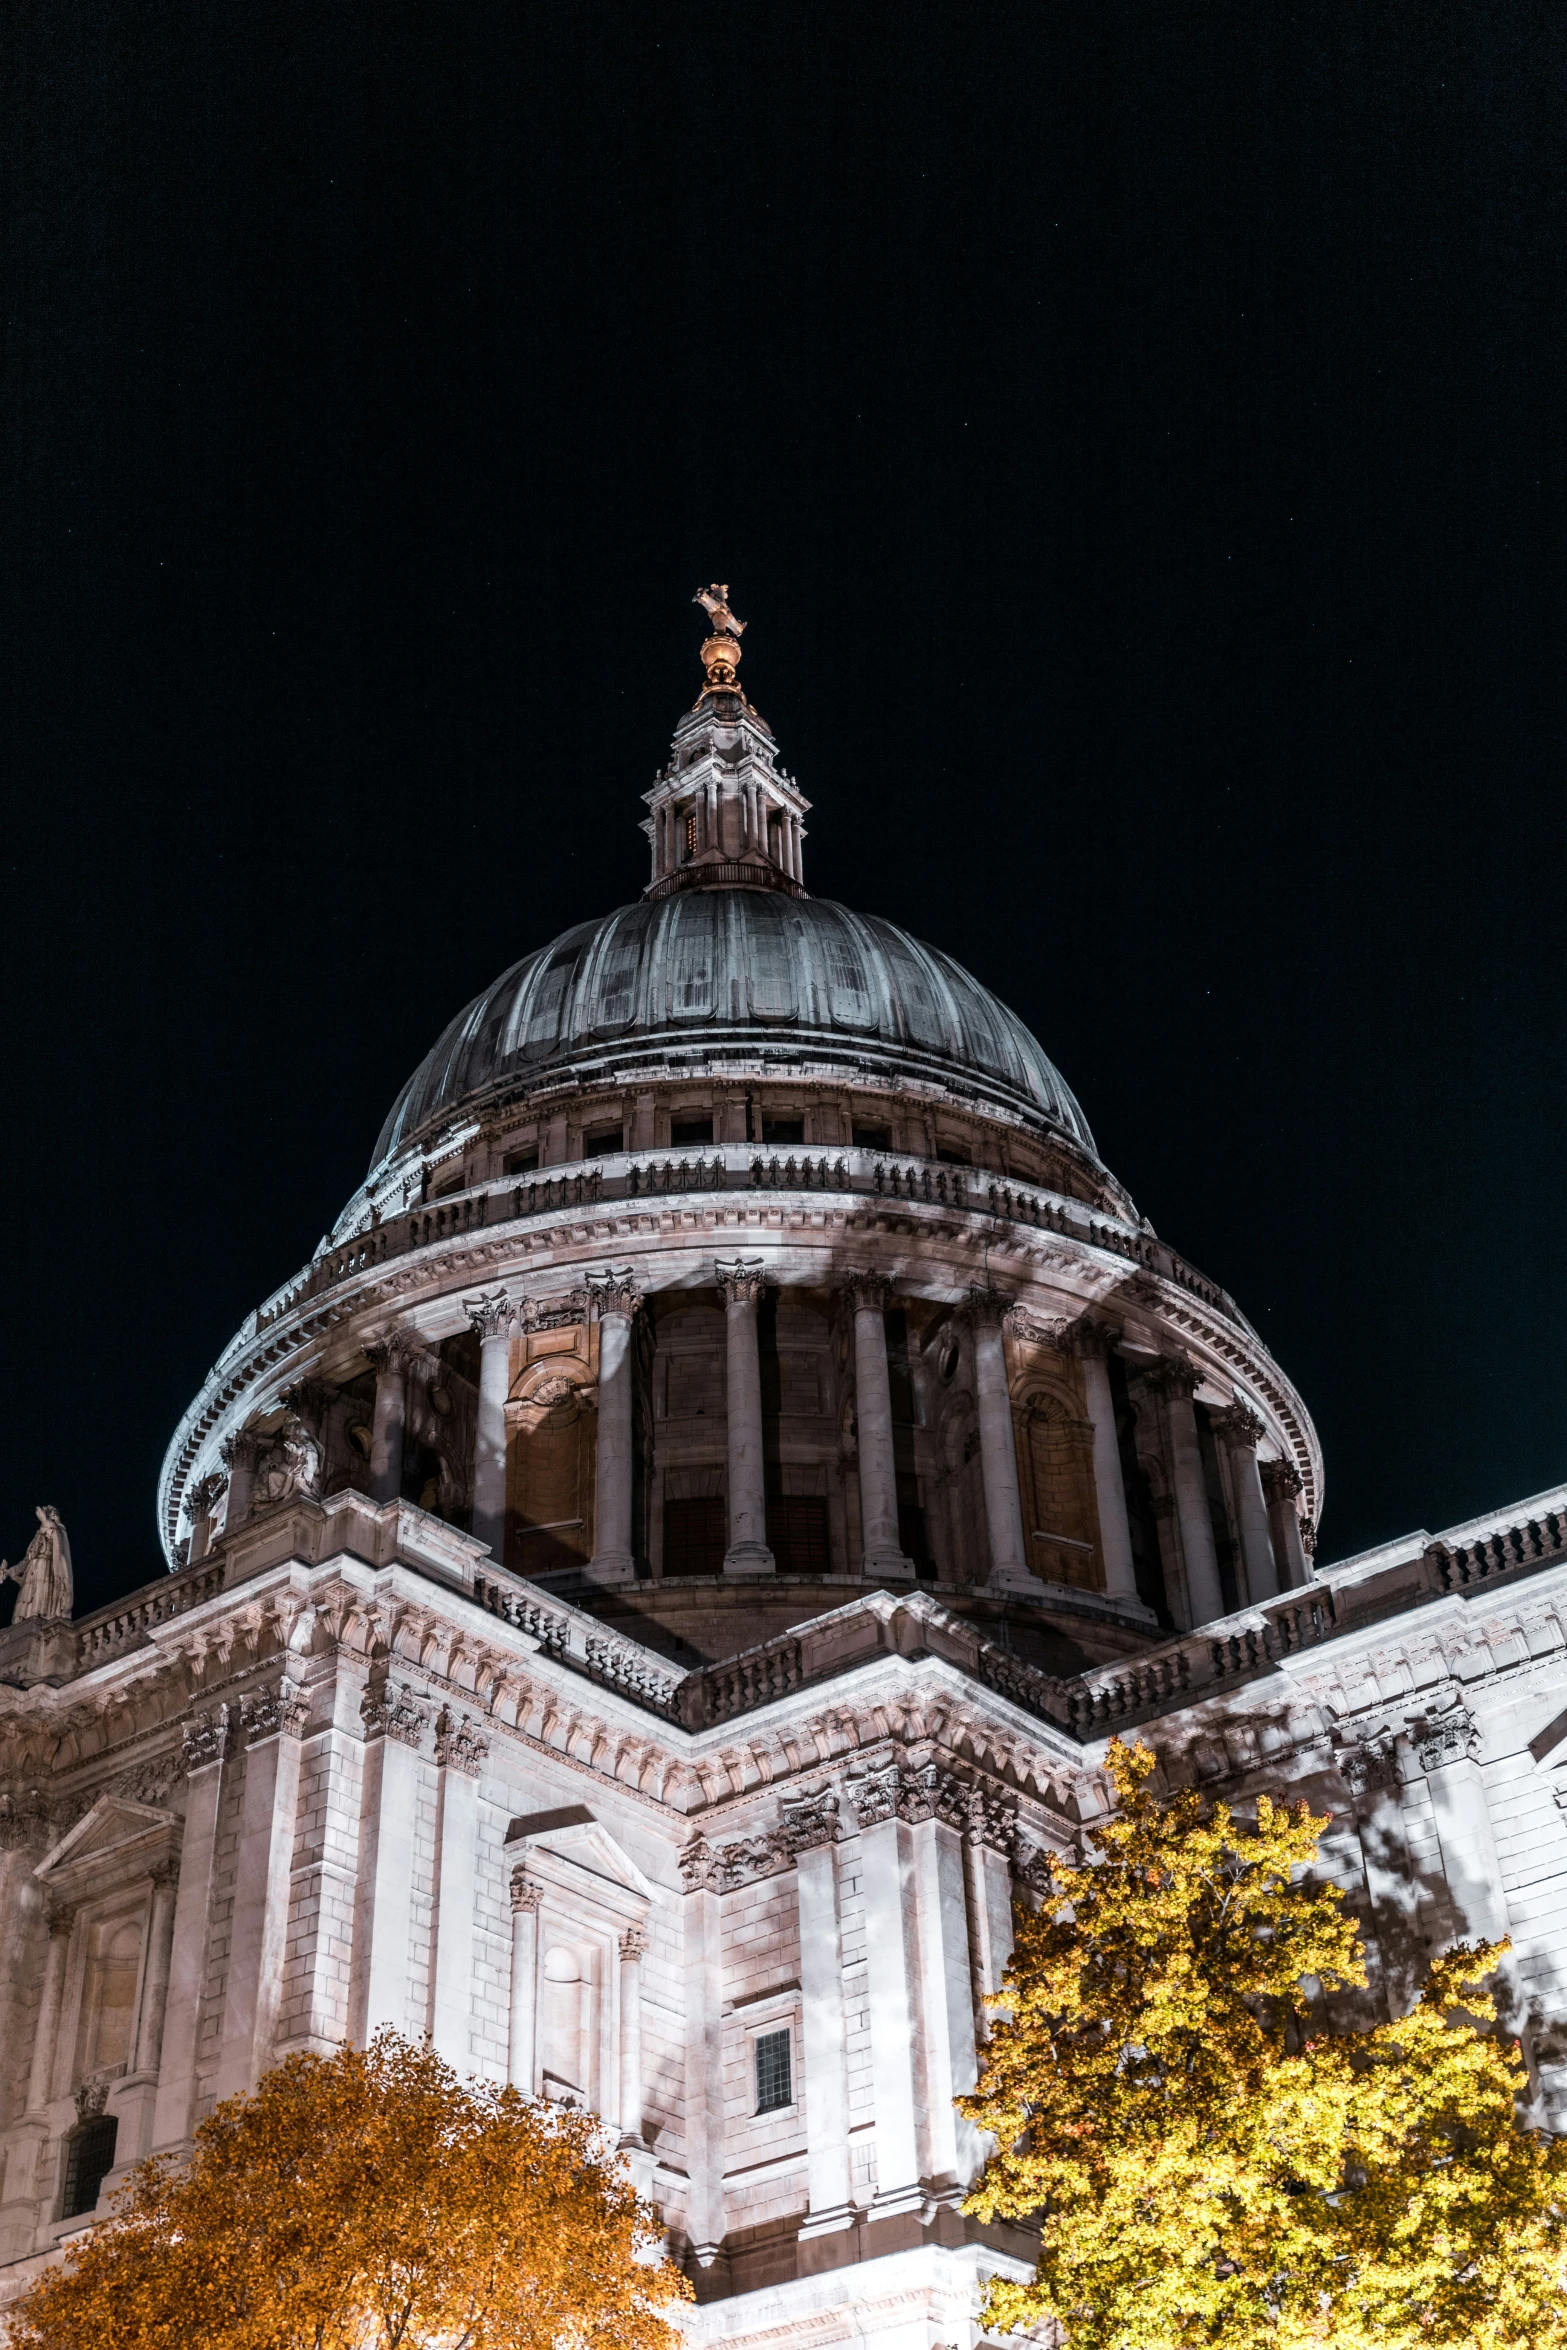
{"type": "Point", "coordinates": [1264, 1493]}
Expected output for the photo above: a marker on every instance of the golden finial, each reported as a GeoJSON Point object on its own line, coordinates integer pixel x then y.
{"type": "Point", "coordinates": [721, 653]}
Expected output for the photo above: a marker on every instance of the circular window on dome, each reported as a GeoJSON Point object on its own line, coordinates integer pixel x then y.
{"type": "Point", "coordinates": [361, 1438]}
{"type": "Point", "coordinates": [947, 1362]}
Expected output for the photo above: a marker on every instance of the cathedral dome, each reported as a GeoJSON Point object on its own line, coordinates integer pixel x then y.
{"type": "Point", "coordinates": [737, 973]}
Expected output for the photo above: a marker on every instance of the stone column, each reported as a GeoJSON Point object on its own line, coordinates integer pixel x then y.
{"type": "Point", "coordinates": [160, 1952]}
{"type": "Point", "coordinates": [201, 1501]}
{"type": "Point", "coordinates": [1009, 1569]}
{"type": "Point", "coordinates": [40, 2078]}
{"type": "Point", "coordinates": [239, 1453]}
{"type": "Point", "coordinates": [616, 1301]}
{"type": "Point", "coordinates": [1282, 1486]}
{"type": "Point", "coordinates": [704, 2084]}
{"type": "Point", "coordinates": [1178, 1383]}
{"type": "Point", "coordinates": [206, 1746]}
{"type": "Point", "coordinates": [633, 1949]}
{"type": "Point", "coordinates": [742, 1284]}
{"type": "Point", "coordinates": [383, 1937]}
{"type": "Point", "coordinates": [989, 1877]}
{"type": "Point", "coordinates": [1372, 1775]}
{"type": "Point", "coordinates": [813, 1829]}
{"type": "Point", "coordinates": [1449, 1750]}
{"type": "Point", "coordinates": [882, 1556]}
{"type": "Point", "coordinates": [1092, 1343]}
{"type": "Point", "coordinates": [390, 1360]}
{"type": "Point", "coordinates": [885, 1873]}
{"type": "Point", "coordinates": [263, 1872]}
{"type": "Point", "coordinates": [491, 1318]}
{"type": "Point", "coordinates": [525, 1897]}
{"type": "Point", "coordinates": [459, 1755]}
{"type": "Point", "coordinates": [1238, 1431]}
{"type": "Point", "coordinates": [944, 2002]}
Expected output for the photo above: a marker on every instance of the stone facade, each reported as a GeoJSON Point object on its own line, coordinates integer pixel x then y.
{"type": "Point", "coordinates": [645, 1600]}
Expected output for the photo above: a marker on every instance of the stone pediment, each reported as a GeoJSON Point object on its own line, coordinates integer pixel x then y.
{"type": "Point", "coordinates": [116, 1839]}
{"type": "Point", "coordinates": [574, 1850]}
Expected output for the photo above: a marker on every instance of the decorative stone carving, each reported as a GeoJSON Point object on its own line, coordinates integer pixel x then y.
{"type": "Point", "coordinates": [983, 1305]}
{"type": "Point", "coordinates": [875, 1796]}
{"type": "Point", "coordinates": [206, 1738]}
{"type": "Point", "coordinates": [150, 1781]}
{"type": "Point", "coordinates": [1281, 1481]}
{"type": "Point", "coordinates": [1239, 1427]}
{"type": "Point", "coordinates": [930, 1793]}
{"type": "Point", "coordinates": [45, 1588]}
{"type": "Point", "coordinates": [1173, 1375]}
{"type": "Point", "coordinates": [809, 1820]}
{"type": "Point", "coordinates": [396, 1352]}
{"type": "Point", "coordinates": [612, 1292]}
{"type": "Point", "coordinates": [241, 1450]}
{"type": "Point", "coordinates": [91, 2098]}
{"type": "Point", "coordinates": [742, 1281]}
{"type": "Point", "coordinates": [1452, 1737]}
{"type": "Point", "coordinates": [633, 1943]}
{"type": "Point", "coordinates": [202, 1498]}
{"type": "Point", "coordinates": [1375, 1764]}
{"type": "Point", "coordinates": [700, 1867]}
{"type": "Point", "coordinates": [271, 1711]}
{"type": "Point", "coordinates": [525, 1894]}
{"type": "Point", "coordinates": [393, 1714]}
{"type": "Point", "coordinates": [1093, 1340]}
{"type": "Point", "coordinates": [868, 1292]}
{"type": "Point", "coordinates": [489, 1315]}
{"type": "Point", "coordinates": [1308, 1536]}
{"type": "Point", "coordinates": [992, 1820]}
{"type": "Point", "coordinates": [290, 1467]}
{"type": "Point", "coordinates": [460, 1743]}
{"type": "Point", "coordinates": [166, 1872]}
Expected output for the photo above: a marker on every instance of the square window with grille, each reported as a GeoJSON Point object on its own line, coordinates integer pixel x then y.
{"type": "Point", "coordinates": [774, 2082]}
{"type": "Point", "coordinates": [797, 1533]}
{"type": "Point", "coordinates": [89, 2158]}
{"type": "Point", "coordinates": [696, 1535]}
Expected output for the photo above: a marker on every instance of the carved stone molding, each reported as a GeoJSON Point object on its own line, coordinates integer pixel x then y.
{"type": "Point", "coordinates": [92, 2097]}
{"type": "Point", "coordinates": [1281, 1481]}
{"type": "Point", "coordinates": [1239, 1427]}
{"type": "Point", "coordinates": [393, 1713]}
{"type": "Point", "coordinates": [397, 1352]}
{"type": "Point", "coordinates": [988, 1308]}
{"type": "Point", "coordinates": [613, 1291]}
{"type": "Point", "coordinates": [810, 1820]}
{"type": "Point", "coordinates": [271, 1712]}
{"type": "Point", "coordinates": [868, 1292]}
{"type": "Point", "coordinates": [1093, 1340]}
{"type": "Point", "coordinates": [741, 1279]}
{"type": "Point", "coordinates": [633, 1943]}
{"type": "Point", "coordinates": [1374, 1764]}
{"type": "Point", "coordinates": [166, 1872]}
{"type": "Point", "coordinates": [489, 1315]}
{"type": "Point", "coordinates": [1452, 1737]}
{"type": "Point", "coordinates": [202, 1498]}
{"type": "Point", "coordinates": [525, 1894]}
{"type": "Point", "coordinates": [460, 1744]}
{"type": "Point", "coordinates": [206, 1738]}
{"type": "Point", "coordinates": [241, 1450]}
{"type": "Point", "coordinates": [1173, 1375]}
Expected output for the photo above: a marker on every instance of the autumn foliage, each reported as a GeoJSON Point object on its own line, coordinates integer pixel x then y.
{"type": "Point", "coordinates": [1208, 2162]}
{"type": "Point", "coordinates": [369, 2201]}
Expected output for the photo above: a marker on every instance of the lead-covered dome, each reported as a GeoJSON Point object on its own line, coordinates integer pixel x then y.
{"type": "Point", "coordinates": [734, 973]}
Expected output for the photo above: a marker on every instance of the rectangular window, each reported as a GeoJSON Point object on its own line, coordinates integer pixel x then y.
{"type": "Point", "coordinates": [696, 1535]}
{"type": "Point", "coordinates": [797, 1533]}
{"type": "Point", "coordinates": [773, 2084]}
{"type": "Point", "coordinates": [685, 1130]}
{"type": "Point", "coordinates": [89, 2158]}
{"type": "Point", "coordinates": [690, 836]}
{"type": "Point", "coordinates": [873, 1138]}
{"type": "Point", "coordinates": [599, 1141]}
{"type": "Point", "coordinates": [783, 1129]}
{"type": "Point", "coordinates": [523, 1162]}
{"type": "Point", "coordinates": [952, 1154]}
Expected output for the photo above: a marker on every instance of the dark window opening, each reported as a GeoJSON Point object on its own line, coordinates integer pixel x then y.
{"type": "Point", "coordinates": [774, 2086]}
{"type": "Point", "coordinates": [872, 1138]}
{"type": "Point", "coordinates": [1219, 1516]}
{"type": "Point", "coordinates": [689, 843]}
{"type": "Point", "coordinates": [522, 1162]}
{"type": "Point", "coordinates": [89, 2158]}
{"type": "Point", "coordinates": [797, 1533]}
{"type": "Point", "coordinates": [686, 1130]}
{"type": "Point", "coordinates": [445, 1190]}
{"type": "Point", "coordinates": [1142, 1520]}
{"type": "Point", "coordinates": [951, 1155]}
{"type": "Point", "coordinates": [783, 1129]}
{"type": "Point", "coordinates": [599, 1141]}
{"type": "Point", "coordinates": [696, 1535]}
{"type": "Point", "coordinates": [913, 1540]}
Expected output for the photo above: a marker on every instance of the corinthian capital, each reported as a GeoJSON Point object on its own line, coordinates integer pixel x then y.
{"type": "Point", "coordinates": [1281, 1480]}
{"type": "Point", "coordinates": [202, 1498]}
{"type": "Point", "coordinates": [242, 1449]}
{"type": "Point", "coordinates": [1095, 1341]}
{"type": "Point", "coordinates": [394, 1353]}
{"type": "Point", "coordinates": [742, 1280]}
{"type": "Point", "coordinates": [868, 1292]}
{"type": "Point", "coordinates": [1239, 1427]}
{"type": "Point", "coordinates": [1174, 1375]}
{"type": "Point", "coordinates": [489, 1316]}
{"type": "Point", "coordinates": [613, 1292]}
{"type": "Point", "coordinates": [986, 1308]}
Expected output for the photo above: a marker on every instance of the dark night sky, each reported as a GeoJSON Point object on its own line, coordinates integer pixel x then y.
{"type": "Point", "coordinates": [1134, 434]}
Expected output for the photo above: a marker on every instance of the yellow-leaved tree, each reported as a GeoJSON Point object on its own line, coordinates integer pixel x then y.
{"type": "Point", "coordinates": [369, 2200]}
{"type": "Point", "coordinates": [1207, 2163]}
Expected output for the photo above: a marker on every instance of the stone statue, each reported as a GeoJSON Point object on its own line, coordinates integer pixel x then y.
{"type": "Point", "coordinates": [714, 601]}
{"type": "Point", "coordinates": [292, 1465]}
{"type": "Point", "coordinates": [45, 1572]}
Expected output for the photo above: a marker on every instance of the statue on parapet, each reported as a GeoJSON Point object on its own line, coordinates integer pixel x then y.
{"type": "Point", "coordinates": [291, 1466]}
{"type": "Point", "coordinates": [44, 1576]}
